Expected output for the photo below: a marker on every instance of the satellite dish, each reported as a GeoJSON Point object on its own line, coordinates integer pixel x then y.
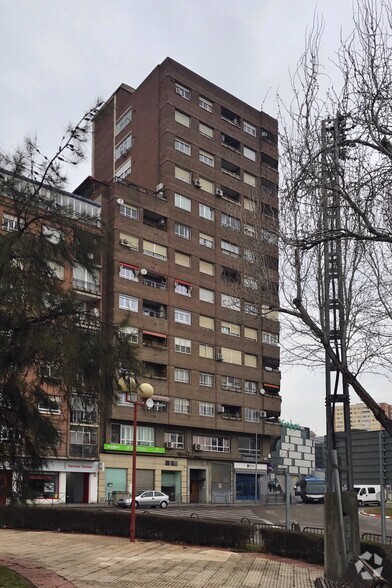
{"type": "Point", "coordinates": [143, 271]}
{"type": "Point", "coordinates": [149, 403]}
{"type": "Point", "coordinates": [120, 201]}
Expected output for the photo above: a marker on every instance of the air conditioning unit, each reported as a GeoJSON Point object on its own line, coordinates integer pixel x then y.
{"type": "Point", "coordinates": [264, 134]}
{"type": "Point", "coordinates": [262, 414]}
{"type": "Point", "coordinates": [197, 447]}
{"type": "Point", "coordinates": [168, 445]}
{"type": "Point", "coordinates": [219, 193]}
{"type": "Point", "coordinates": [219, 357]}
{"type": "Point", "coordinates": [120, 201]}
{"type": "Point", "coordinates": [124, 242]}
{"type": "Point", "coordinates": [197, 183]}
{"type": "Point", "coordinates": [159, 188]}
{"type": "Point", "coordinates": [220, 408]}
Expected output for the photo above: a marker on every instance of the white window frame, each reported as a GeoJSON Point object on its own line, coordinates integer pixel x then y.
{"type": "Point", "coordinates": [176, 440]}
{"type": "Point", "coordinates": [206, 212]}
{"type": "Point", "coordinates": [230, 248]}
{"type": "Point", "coordinates": [182, 345]}
{"type": "Point", "coordinates": [129, 211]}
{"type": "Point", "coordinates": [183, 289]}
{"type": "Point", "coordinates": [182, 146]}
{"type": "Point", "coordinates": [209, 243]}
{"type": "Point", "coordinates": [252, 415]}
{"type": "Point", "coordinates": [230, 302]}
{"type": "Point", "coordinates": [270, 338]}
{"type": "Point", "coordinates": [182, 202]}
{"type": "Point", "coordinates": [206, 131]}
{"type": "Point", "coordinates": [55, 400]}
{"type": "Point", "coordinates": [205, 104]}
{"type": "Point", "coordinates": [183, 91]}
{"type": "Point", "coordinates": [128, 273]}
{"type": "Point", "coordinates": [206, 380]}
{"type": "Point", "coordinates": [250, 308]}
{"type": "Point", "coordinates": [182, 231]}
{"type": "Point", "coordinates": [207, 409]}
{"type": "Point", "coordinates": [230, 222]}
{"type": "Point", "coordinates": [155, 251]}
{"type": "Point", "coordinates": [123, 147]}
{"type": "Point", "coordinates": [182, 406]}
{"type": "Point", "coordinates": [128, 303]}
{"type": "Point", "coordinates": [123, 120]}
{"type": "Point", "coordinates": [184, 317]}
{"type": "Point", "coordinates": [250, 129]}
{"type": "Point", "coordinates": [231, 383]}
{"type": "Point", "coordinates": [182, 375]}
{"type": "Point", "coordinates": [250, 387]}
{"type": "Point", "coordinates": [206, 158]}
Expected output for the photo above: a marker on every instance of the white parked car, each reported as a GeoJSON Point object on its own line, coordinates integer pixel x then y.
{"type": "Point", "coordinates": [146, 498]}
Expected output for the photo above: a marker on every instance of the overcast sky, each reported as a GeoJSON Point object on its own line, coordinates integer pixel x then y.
{"type": "Point", "coordinates": [57, 57]}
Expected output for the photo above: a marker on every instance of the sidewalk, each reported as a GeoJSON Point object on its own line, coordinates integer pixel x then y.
{"type": "Point", "coordinates": [59, 560]}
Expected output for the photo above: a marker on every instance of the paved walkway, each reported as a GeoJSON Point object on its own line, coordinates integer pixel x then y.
{"type": "Point", "coordinates": [59, 560]}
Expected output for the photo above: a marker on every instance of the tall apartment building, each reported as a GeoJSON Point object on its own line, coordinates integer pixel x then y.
{"type": "Point", "coordinates": [176, 163]}
{"type": "Point", "coordinates": [361, 417]}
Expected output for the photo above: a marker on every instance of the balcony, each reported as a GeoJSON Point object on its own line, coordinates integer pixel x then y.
{"type": "Point", "coordinates": [229, 412]}
{"type": "Point", "coordinates": [230, 117]}
{"type": "Point", "coordinates": [155, 340]}
{"type": "Point", "coordinates": [154, 220]}
{"type": "Point", "coordinates": [154, 309]}
{"type": "Point", "coordinates": [232, 170]}
{"type": "Point", "coordinates": [155, 281]}
{"type": "Point", "coordinates": [155, 371]}
{"type": "Point", "coordinates": [231, 143]}
{"type": "Point", "coordinates": [231, 195]}
{"type": "Point", "coordinates": [84, 417]}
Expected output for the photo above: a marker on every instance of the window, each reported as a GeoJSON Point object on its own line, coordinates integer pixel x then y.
{"type": "Point", "coordinates": [129, 272]}
{"type": "Point", "coordinates": [123, 121]}
{"type": "Point", "coordinates": [206, 322]}
{"type": "Point", "coordinates": [249, 256]}
{"type": "Point", "coordinates": [182, 405]}
{"type": "Point", "coordinates": [206, 351]}
{"type": "Point", "coordinates": [57, 269]}
{"type": "Point", "coordinates": [206, 240]}
{"type": "Point", "coordinates": [206, 131]}
{"type": "Point", "coordinates": [250, 282]}
{"type": "Point", "coordinates": [250, 387]}
{"type": "Point", "coordinates": [229, 248]}
{"type": "Point", "coordinates": [182, 231]}
{"type": "Point", "coordinates": [206, 295]}
{"type": "Point", "coordinates": [249, 204]}
{"type": "Point", "coordinates": [250, 308]}
{"type": "Point", "coordinates": [216, 444]}
{"type": "Point", "coordinates": [250, 334]}
{"type": "Point", "coordinates": [182, 146]}
{"type": "Point", "coordinates": [182, 316]}
{"type": "Point", "coordinates": [174, 440]}
{"type": "Point", "coordinates": [250, 360]}
{"type": "Point", "coordinates": [206, 212]}
{"type": "Point", "coordinates": [49, 405]}
{"type": "Point", "coordinates": [123, 434]}
{"type": "Point", "coordinates": [183, 288]}
{"type": "Point", "coordinates": [183, 91]}
{"type": "Point", "coordinates": [206, 409]}
{"type": "Point", "coordinates": [231, 356]}
{"type": "Point", "coordinates": [249, 179]}
{"type": "Point", "coordinates": [182, 118]}
{"type": "Point", "coordinates": [123, 147]}
{"type": "Point", "coordinates": [182, 202]}
{"type": "Point", "coordinates": [252, 415]}
{"type": "Point", "coordinates": [129, 211]}
{"type": "Point", "coordinates": [249, 230]}
{"type": "Point", "coordinates": [182, 259]}
{"type": "Point", "coordinates": [154, 250]}
{"type": "Point", "coordinates": [182, 345]}
{"type": "Point", "coordinates": [132, 333]}
{"type": "Point", "coordinates": [230, 221]}
{"type": "Point", "coordinates": [124, 170]}
{"type": "Point", "coordinates": [128, 303]}
{"type": "Point", "coordinates": [205, 267]}
{"type": "Point", "coordinates": [250, 129]}
{"type": "Point", "coordinates": [205, 104]}
{"type": "Point", "coordinates": [230, 302]}
{"type": "Point", "coordinates": [249, 153]}
{"type": "Point", "coordinates": [129, 241]}
{"type": "Point", "coordinates": [181, 375]}
{"type": "Point", "coordinates": [270, 338]}
{"type": "Point", "coordinates": [206, 379]}
{"type": "Point", "coordinates": [206, 158]}
{"type": "Point", "coordinates": [182, 174]}
{"type": "Point", "coordinates": [206, 185]}
{"type": "Point", "coordinates": [230, 329]}
{"type": "Point", "coordinates": [231, 383]}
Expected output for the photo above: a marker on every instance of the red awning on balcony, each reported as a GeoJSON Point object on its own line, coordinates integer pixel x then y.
{"type": "Point", "coordinates": [155, 334]}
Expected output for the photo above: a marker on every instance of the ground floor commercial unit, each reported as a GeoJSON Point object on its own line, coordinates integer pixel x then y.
{"type": "Point", "coordinates": [59, 481]}
{"type": "Point", "coordinates": [185, 480]}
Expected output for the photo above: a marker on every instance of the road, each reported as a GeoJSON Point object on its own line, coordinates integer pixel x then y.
{"type": "Point", "coordinates": [306, 515]}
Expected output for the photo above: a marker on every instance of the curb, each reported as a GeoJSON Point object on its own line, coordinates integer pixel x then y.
{"type": "Point", "coordinates": [371, 514]}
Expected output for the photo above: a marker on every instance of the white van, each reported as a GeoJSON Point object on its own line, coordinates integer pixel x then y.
{"type": "Point", "coordinates": [367, 494]}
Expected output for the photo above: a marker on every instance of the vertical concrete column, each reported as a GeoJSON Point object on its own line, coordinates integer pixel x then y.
{"type": "Point", "coordinates": [335, 543]}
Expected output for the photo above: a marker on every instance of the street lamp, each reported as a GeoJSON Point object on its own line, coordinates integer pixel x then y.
{"type": "Point", "coordinates": [146, 393]}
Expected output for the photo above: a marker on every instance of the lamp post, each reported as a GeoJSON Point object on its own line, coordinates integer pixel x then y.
{"type": "Point", "coordinates": [146, 393]}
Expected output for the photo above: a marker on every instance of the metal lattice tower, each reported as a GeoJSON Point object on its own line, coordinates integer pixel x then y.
{"type": "Point", "coordinates": [337, 389]}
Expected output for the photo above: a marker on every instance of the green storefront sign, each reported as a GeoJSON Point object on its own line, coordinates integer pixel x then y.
{"type": "Point", "coordinates": [129, 448]}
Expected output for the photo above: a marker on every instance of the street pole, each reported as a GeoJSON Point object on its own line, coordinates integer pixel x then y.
{"type": "Point", "coordinates": [288, 495]}
{"type": "Point", "coordinates": [256, 466]}
{"type": "Point", "coordinates": [382, 489]}
{"type": "Point", "coordinates": [132, 533]}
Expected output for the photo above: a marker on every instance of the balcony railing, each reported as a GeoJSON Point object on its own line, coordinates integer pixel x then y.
{"type": "Point", "coordinates": [154, 284]}
{"type": "Point", "coordinates": [84, 286]}
{"type": "Point", "coordinates": [83, 451]}
{"type": "Point", "coordinates": [84, 416]}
